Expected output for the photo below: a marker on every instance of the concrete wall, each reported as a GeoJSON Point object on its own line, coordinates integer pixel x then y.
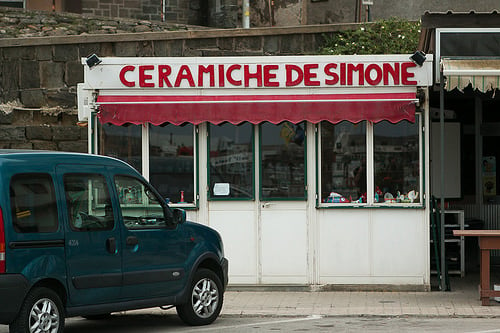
{"type": "Point", "coordinates": [38, 76]}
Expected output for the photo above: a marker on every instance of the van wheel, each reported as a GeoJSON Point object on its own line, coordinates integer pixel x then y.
{"type": "Point", "coordinates": [41, 311]}
{"type": "Point", "coordinates": [205, 301]}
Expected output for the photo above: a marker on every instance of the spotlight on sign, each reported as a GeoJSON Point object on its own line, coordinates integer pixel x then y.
{"type": "Point", "coordinates": [418, 58]}
{"type": "Point", "coordinates": [93, 60]}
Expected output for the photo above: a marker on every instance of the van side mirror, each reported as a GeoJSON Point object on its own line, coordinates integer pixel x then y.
{"type": "Point", "coordinates": [179, 215]}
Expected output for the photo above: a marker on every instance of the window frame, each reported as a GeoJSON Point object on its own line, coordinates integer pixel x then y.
{"type": "Point", "coordinates": [261, 196]}
{"type": "Point", "coordinates": [370, 159]}
{"type": "Point", "coordinates": [210, 196]}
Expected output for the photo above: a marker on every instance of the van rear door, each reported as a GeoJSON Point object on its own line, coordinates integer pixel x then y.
{"type": "Point", "coordinates": [93, 240]}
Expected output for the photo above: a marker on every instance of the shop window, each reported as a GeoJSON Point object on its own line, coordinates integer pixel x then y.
{"type": "Point", "coordinates": [88, 202]}
{"type": "Point", "coordinates": [396, 162]}
{"type": "Point", "coordinates": [123, 142]}
{"type": "Point", "coordinates": [282, 168]}
{"type": "Point", "coordinates": [343, 162]}
{"type": "Point", "coordinates": [33, 203]}
{"type": "Point", "coordinates": [231, 163]}
{"type": "Point", "coordinates": [171, 162]}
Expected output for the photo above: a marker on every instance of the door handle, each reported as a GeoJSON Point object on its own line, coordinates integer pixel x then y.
{"type": "Point", "coordinates": [132, 240]}
{"type": "Point", "coordinates": [111, 245]}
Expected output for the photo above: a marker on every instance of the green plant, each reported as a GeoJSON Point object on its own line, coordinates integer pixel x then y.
{"type": "Point", "coordinates": [392, 36]}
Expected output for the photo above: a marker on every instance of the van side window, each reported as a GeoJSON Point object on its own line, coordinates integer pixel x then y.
{"type": "Point", "coordinates": [139, 206]}
{"type": "Point", "coordinates": [88, 201]}
{"type": "Point", "coordinates": [33, 203]}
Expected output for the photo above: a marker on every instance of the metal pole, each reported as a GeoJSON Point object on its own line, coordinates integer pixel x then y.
{"type": "Point", "coordinates": [441, 126]}
{"type": "Point", "coordinates": [246, 14]}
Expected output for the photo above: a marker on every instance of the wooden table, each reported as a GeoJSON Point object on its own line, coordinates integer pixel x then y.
{"type": "Point", "coordinates": [488, 240]}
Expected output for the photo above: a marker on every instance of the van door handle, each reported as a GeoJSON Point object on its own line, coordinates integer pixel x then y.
{"type": "Point", "coordinates": [111, 245]}
{"type": "Point", "coordinates": [132, 240]}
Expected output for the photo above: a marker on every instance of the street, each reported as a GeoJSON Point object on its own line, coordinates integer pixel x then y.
{"type": "Point", "coordinates": [134, 322]}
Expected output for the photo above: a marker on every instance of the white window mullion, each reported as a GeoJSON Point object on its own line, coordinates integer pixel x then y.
{"type": "Point", "coordinates": [370, 165]}
{"type": "Point", "coordinates": [145, 151]}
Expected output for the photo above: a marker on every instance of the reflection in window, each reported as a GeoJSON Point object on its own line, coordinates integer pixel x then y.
{"type": "Point", "coordinates": [231, 161]}
{"type": "Point", "coordinates": [343, 162]}
{"type": "Point", "coordinates": [282, 160]}
{"type": "Point", "coordinates": [139, 206]}
{"type": "Point", "coordinates": [171, 161]}
{"type": "Point", "coordinates": [88, 202]}
{"type": "Point", "coordinates": [396, 162]}
{"type": "Point", "coordinates": [122, 142]}
{"type": "Point", "coordinates": [33, 203]}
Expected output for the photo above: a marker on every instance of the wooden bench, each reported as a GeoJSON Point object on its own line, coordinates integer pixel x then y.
{"type": "Point", "coordinates": [488, 240]}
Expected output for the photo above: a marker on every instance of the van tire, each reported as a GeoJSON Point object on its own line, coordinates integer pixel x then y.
{"type": "Point", "coordinates": [45, 304]}
{"type": "Point", "coordinates": [204, 299]}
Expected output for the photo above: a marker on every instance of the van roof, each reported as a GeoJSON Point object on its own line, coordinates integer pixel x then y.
{"type": "Point", "coordinates": [54, 157]}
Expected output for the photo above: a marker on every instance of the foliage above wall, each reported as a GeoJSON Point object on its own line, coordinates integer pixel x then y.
{"type": "Point", "coordinates": [393, 36]}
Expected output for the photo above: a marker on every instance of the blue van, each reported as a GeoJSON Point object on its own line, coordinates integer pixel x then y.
{"type": "Point", "coordinates": [86, 235]}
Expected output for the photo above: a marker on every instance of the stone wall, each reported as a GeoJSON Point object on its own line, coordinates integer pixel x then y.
{"type": "Point", "coordinates": [39, 75]}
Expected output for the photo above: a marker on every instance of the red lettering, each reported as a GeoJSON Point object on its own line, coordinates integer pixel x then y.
{"type": "Point", "coordinates": [143, 76]}
{"type": "Point", "coordinates": [350, 73]}
{"type": "Point", "coordinates": [163, 72]}
{"type": "Point", "coordinates": [342, 74]}
{"type": "Point", "coordinates": [221, 76]}
{"type": "Point", "coordinates": [378, 76]}
{"type": "Point", "coordinates": [268, 76]}
{"type": "Point", "coordinates": [393, 71]}
{"type": "Point", "coordinates": [405, 75]}
{"type": "Point", "coordinates": [123, 71]}
{"type": "Point", "coordinates": [308, 75]}
{"type": "Point", "coordinates": [206, 70]}
{"type": "Point", "coordinates": [184, 74]}
{"type": "Point", "coordinates": [230, 73]}
{"type": "Point", "coordinates": [289, 75]}
{"type": "Point", "coordinates": [329, 71]}
{"type": "Point", "coordinates": [257, 75]}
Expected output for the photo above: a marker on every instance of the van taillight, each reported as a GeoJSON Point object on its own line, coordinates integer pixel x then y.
{"type": "Point", "coordinates": [2, 244]}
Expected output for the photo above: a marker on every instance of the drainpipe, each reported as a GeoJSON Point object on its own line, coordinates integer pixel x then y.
{"type": "Point", "coordinates": [246, 14]}
{"type": "Point", "coordinates": [441, 126]}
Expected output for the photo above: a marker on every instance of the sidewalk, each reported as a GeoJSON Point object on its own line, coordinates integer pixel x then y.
{"type": "Point", "coordinates": [461, 301]}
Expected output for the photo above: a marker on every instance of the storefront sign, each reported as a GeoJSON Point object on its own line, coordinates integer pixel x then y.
{"type": "Point", "coordinates": [259, 72]}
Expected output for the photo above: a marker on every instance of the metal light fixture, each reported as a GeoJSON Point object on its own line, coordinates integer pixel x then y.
{"type": "Point", "coordinates": [418, 58]}
{"type": "Point", "coordinates": [93, 60]}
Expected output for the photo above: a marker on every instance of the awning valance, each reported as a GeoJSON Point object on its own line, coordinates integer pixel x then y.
{"type": "Point", "coordinates": [482, 74]}
{"type": "Point", "coordinates": [274, 108]}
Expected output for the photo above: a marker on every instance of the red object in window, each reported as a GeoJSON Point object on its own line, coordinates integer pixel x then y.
{"type": "Point", "coordinates": [195, 109]}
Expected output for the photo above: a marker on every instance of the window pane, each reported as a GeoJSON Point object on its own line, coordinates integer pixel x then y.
{"type": "Point", "coordinates": [122, 142]}
{"type": "Point", "coordinates": [397, 165]}
{"type": "Point", "coordinates": [139, 206]}
{"type": "Point", "coordinates": [231, 161]}
{"type": "Point", "coordinates": [33, 203]}
{"type": "Point", "coordinates": [171, 161]}
{"type": "Point", "coordinates": [282, 160]}
{"type": "Point", "coordinates": [343, 162]}
{"type": "Point", "coordinates": [88, 201]}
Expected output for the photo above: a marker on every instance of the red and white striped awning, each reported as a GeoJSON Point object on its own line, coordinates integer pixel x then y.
{"type": "Point", "coordinates": [235, 108]}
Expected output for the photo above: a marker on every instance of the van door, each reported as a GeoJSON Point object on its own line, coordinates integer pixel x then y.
{"type": "Point", "coordinates": [154, 253]}
{"type": "Point", "coordinates": [93, 251]}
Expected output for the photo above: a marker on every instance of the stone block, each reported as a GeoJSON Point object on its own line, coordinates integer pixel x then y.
{"type": "Point", "coordinates": [271, 44]}
{"type": "Point", "coordinates": [73, 73]}
{"type": "Point", "coordinates": [51, 74]}
{"type": "Point", "coordinates": [13, 134]}
{"type": "Point", "coordinates": [30, 75]}
{"type": "Point", "coordinates": [64, 133]}
{"type": "Point", "coordinates": [73, 146]}
{"type": "Point", "coordinates": [33, 98]}
{"type": "Point", "coordinates": [39, 132]}
{"type": "Point", "coordinates": [253, 43]}
{"type": "Point", "coordinates": [292, 44]}
{"type": "Point", "coordinates": [6, 118]}
{"type": "Point", "coordinates": [44, 145]}
{"type": "Point", "coordinates": [160, 48]}
{"type": "Point", "coordinates": [125, 49]}
{"type": "Point", "coordinates": [16, 53]}
{"type": "Point", "coordinates": [85, 50]}
{"type": "Point", "coordinates": [10, 75]}
{"type": "Point", "coordinates": [175, 48]}
{"type": "Point", "coordinates": [145, 49]}
{"type": "Point", "coordinates": [43, 52]}
{"type": "Point", "coordinates": [66, 53]}
{"type": "Point", "coordinates": [23, 117]}
{"type": "Point", "coordinates": [201, 43]}
{"type": "Point", "coordinates": [61, 97]}
{"type": "Point", "coordinates": [21, 145]}
{"type": "Point", "coordinates": [225, 43]}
